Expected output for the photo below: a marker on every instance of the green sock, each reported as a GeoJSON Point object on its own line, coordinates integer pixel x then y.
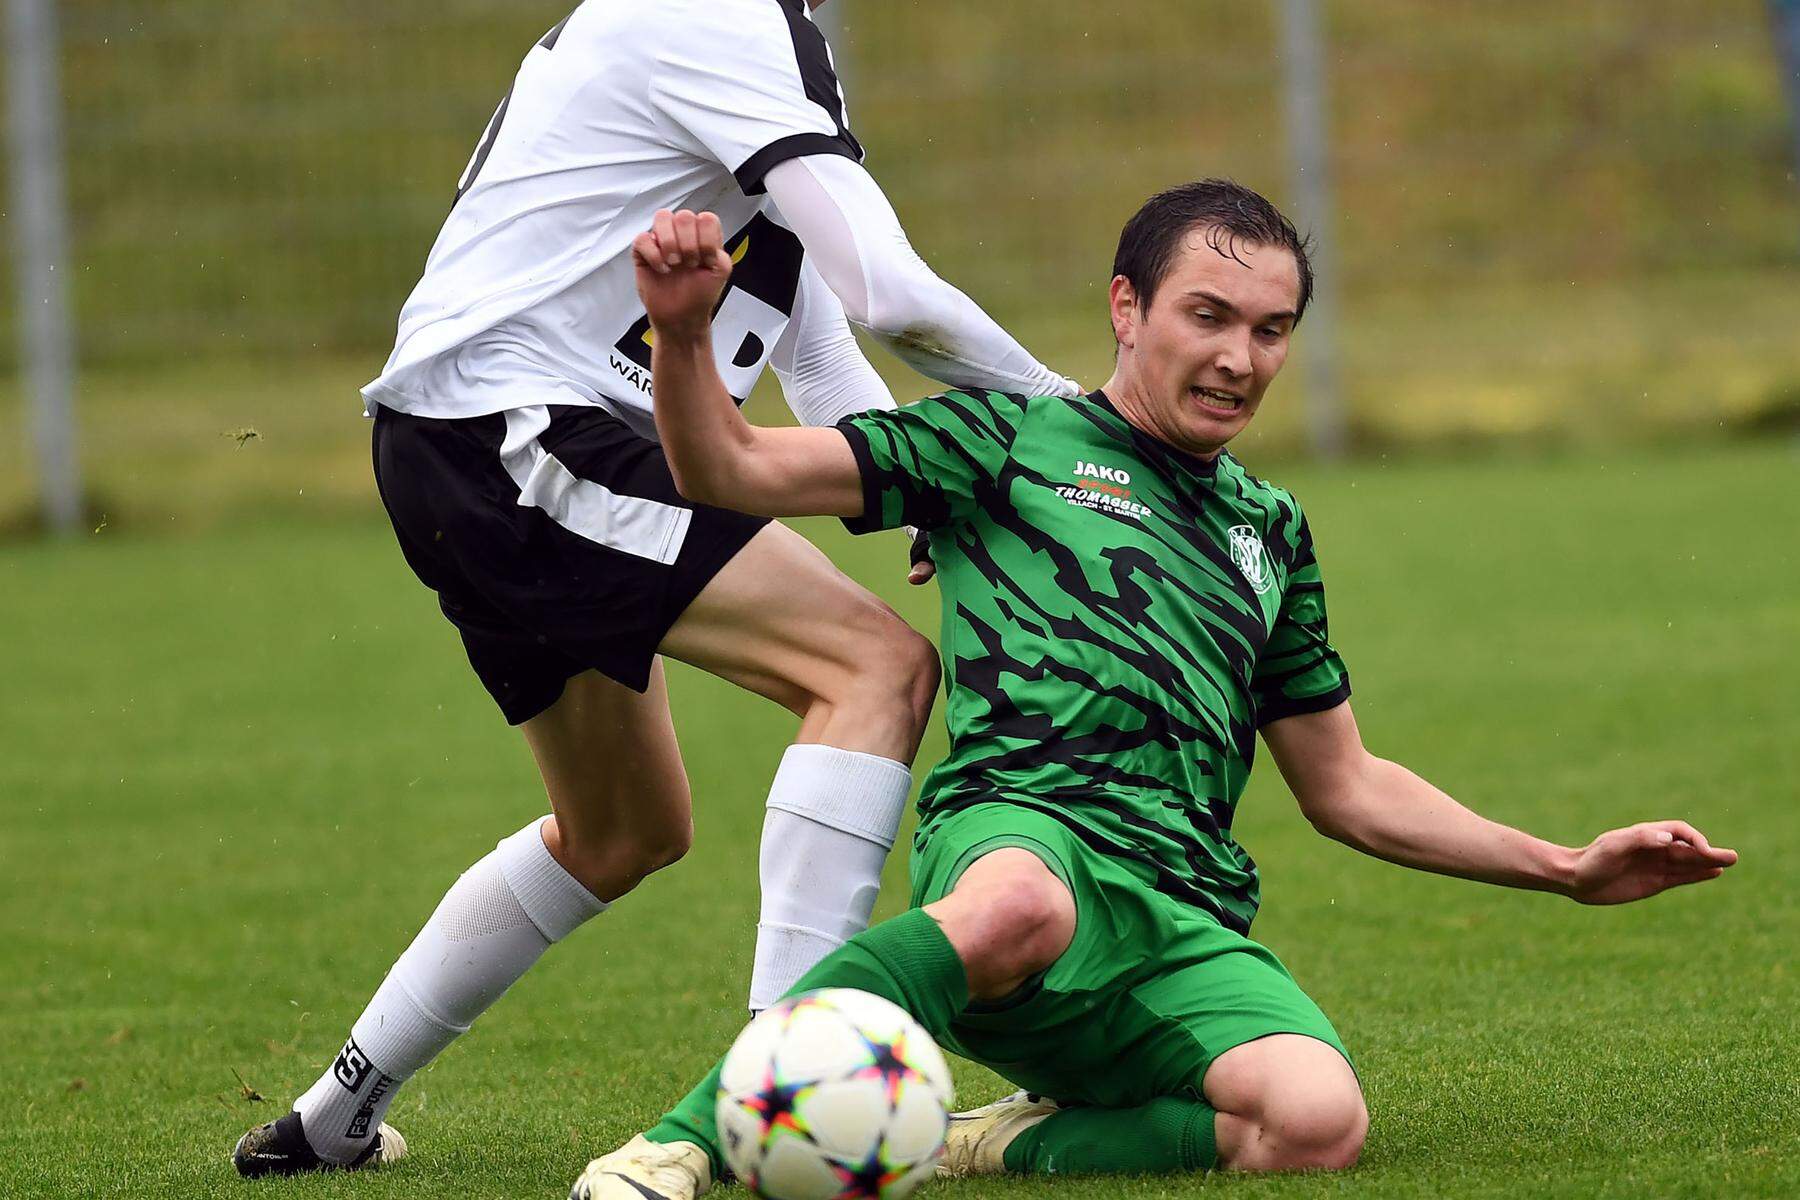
{"type": "Point", "coordinates": [907, 960]}
{"type": "Point", "coordinates": [1171, 1133]}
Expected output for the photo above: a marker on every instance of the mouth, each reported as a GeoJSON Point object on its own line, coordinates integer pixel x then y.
{"type": "Point", "coordinates": [1216, 400]}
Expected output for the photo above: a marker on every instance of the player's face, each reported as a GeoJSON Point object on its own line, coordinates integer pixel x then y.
{"type": "Point", "coordinates": [1194, 364]}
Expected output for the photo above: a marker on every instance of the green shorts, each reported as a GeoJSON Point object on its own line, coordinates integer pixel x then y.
{"type": "Point", "coordinates": [1148, 994]}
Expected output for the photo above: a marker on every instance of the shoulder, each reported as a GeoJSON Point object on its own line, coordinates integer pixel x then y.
{"type": "Point", "coordinates": [746, 28]}
{"type": "Point", "coordinates": [1284, 527]}
{"type": "Point", "coordinates": [1282, 505]}
{"type": "Point", "coordinates": [1004, 407]}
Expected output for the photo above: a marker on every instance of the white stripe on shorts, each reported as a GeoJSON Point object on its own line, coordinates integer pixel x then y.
{"type": "Point", "coordinates": [647, 528]}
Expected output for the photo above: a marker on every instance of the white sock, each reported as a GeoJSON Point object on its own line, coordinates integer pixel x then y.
{"type": "Point", "coordinates": [833, 815]}
{"type": "Point", "coordinates": [493, 923]}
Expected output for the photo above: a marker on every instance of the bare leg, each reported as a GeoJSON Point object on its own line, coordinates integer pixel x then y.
{"type": "Point", "coordinates": [617, 789]}
{"type": "Point", "coordinates": [781, 621]}
{"type": "Point", "coordinates": [1286, 1102]}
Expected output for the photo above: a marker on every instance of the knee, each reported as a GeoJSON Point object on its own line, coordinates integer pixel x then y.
{"type": "Point", "coordinates": [1319, 1131]}
{"type": "Point", "coordinates": [1009, 924]}
{"type": "Point", "coordinates": [895, 665]}
{"type": "Point", "coordinates": [922, 673]}
{"type": "Point", "coordinates": [1038, 919]}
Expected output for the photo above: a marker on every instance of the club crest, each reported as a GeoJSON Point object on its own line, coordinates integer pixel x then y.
{"type": "Point", "coordinates": [1247, 553]}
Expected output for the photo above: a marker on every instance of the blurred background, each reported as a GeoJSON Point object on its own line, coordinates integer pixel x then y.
{"type": "Point", "coordinates": [1548, 224]}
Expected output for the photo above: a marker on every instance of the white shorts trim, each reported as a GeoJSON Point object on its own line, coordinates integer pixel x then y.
{"type": "Point", "coordinates": [631, 524]}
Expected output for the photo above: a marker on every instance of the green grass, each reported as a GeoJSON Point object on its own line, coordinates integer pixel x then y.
{"type": "Point", "coordinates": [238, 766]}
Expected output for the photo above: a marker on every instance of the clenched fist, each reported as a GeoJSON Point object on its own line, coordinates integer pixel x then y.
{"type": "Point", "coordinates": [682, 269]}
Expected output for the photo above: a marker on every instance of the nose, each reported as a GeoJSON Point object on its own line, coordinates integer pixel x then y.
{"type": "Point", "coordinates": [1232, 359]}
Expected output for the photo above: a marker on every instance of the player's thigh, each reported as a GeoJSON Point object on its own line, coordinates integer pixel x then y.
{"type": "Point", "coordinates": [612, 767]}
{"type": "Point", "coordinates": [781, 620]}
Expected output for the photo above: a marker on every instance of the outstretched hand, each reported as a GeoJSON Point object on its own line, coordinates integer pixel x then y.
{"type": "Point", "coordinates": [682, 268]}
{"type": "Point", "coordinates": [1641, 860]}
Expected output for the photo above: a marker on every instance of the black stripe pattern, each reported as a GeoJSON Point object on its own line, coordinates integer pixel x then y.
{"type": "Point", "coordinates": [1120, 618]}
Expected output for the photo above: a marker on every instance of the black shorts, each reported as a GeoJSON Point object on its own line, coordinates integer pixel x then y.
{"type": "Point", "coordinates": [555, 540]}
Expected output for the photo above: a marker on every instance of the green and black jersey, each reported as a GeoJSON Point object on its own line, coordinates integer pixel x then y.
{"type": "Point", "coordinates": [1119, 618]}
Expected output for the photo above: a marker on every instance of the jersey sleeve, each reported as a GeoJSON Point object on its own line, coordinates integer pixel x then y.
{"type": "Point", "coordinates": [753, 83]}
{"type": "Point", "coordinates": [932, 463]}
{"type": "Point", "coordinates": [822, 370]}
{"type": "Point", "coordinates": [1298, 671]}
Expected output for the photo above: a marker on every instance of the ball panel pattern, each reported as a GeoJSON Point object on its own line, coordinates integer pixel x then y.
{"type": "Point", "coordinates": [834, 1095]}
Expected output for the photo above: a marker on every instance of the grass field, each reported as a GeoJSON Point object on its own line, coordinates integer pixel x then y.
{"type": "Point", "coordinates": [238, 766]}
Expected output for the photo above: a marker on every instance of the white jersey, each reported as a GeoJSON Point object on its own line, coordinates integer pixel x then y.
{"type": "Point", "coordinates": [627, 107]}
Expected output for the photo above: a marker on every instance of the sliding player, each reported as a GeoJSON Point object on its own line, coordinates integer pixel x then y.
{"type": "Point", "coordinates": [1126, 608]}
{"type": "Point", "coordinates": [514, 449]}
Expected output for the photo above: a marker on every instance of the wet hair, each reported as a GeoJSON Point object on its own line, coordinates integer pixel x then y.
{"type": "Point", "coordinates": [1228, 213]}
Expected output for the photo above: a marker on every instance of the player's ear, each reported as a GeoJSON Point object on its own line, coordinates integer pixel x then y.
{"type": "Point", "coordinates": [1124, 311]}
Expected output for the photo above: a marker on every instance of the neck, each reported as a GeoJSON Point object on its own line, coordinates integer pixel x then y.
{"type": "Point", "coordinates": [1127, 395]}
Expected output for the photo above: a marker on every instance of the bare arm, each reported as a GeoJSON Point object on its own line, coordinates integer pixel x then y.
{"type": "Point", "coordinates": [717, 457]}
{"type": "Point", "coordinates": [1383, 809]}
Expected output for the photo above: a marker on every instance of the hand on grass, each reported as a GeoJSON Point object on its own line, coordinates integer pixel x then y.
{"type": "Point", "coordinates": [682, 268]}
{"type": "Point", "coordinates": [1641, 860]}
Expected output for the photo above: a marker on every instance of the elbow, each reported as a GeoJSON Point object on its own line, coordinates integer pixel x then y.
{"type": "Point", "coordinates": [1337, 812]}
{"type": "Point", "coordinates": [701, 487]}
{"type": "Point", "coordinates": [890, 322]}
{"type": "Point", "coordinates": [701, 490]}
{"type": "Point", "coordinates": [1326, 818]}
{"type": "Point", "coordinates": [899, 304]}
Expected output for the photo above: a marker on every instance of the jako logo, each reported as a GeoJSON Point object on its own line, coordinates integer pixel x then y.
{"type": "Point", "coordinates": [1109, 474]}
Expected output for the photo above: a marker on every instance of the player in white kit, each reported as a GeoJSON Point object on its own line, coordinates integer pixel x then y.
{"type": "Point", "coordinates": [514, 449]}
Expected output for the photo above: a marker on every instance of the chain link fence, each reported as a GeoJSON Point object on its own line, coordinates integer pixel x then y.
{"type": "Point", "coordinates": [1523, 189]}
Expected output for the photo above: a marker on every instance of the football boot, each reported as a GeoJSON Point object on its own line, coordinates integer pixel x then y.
{"type": "Point", "coordinates": [645, 1170]}
{"type": "Point", "coordinates": [977, 1139]}
{"type": "Point", "coordinates": [280, 1148]}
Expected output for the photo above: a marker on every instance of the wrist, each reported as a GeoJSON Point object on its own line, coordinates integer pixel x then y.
{"type": "Point", "coordinates": [1557, 868]}
{"type": "Point", "coordinates": [685, 333]}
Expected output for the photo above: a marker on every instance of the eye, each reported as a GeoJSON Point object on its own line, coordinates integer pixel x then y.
{"type": "Point", "coordinates": [1205, 317]}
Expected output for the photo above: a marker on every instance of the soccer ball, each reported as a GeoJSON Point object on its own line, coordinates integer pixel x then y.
{"type": "Point", "coordinates": [833, 1095]}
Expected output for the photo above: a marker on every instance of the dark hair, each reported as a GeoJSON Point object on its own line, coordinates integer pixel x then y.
{"type": "Point", "coordinates": [1228, 212]}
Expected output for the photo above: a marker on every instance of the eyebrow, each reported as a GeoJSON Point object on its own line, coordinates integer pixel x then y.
{"type": "Point", "coordinates": [1218, 301]}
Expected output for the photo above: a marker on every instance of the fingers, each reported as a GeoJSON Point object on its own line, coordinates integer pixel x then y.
{"type": "Point", "coordinates": [1682, 879]}
{"type": "Point", "coordinates": [921, 572]}
{"type": "Point", "coordinates": [1684, 831]}
{"type": "Point", "coordinates": [711, 237]}
{"type": "Point", "coordinates": [647, 254]}
{"type": "Point", "coordinates": [687, 238]}
{"type": "Point", "coordinates": [1683, 835]}
{"type": "Point", "coordinates": [681, 239]}
{"type": "Point", "coordinates": [662, 229]}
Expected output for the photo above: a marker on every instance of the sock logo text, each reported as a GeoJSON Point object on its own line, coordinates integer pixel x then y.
{"type": "Point", "coordinates": [352, 1066]}
{"type": "Point", "coordinates": [365, 1114]}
